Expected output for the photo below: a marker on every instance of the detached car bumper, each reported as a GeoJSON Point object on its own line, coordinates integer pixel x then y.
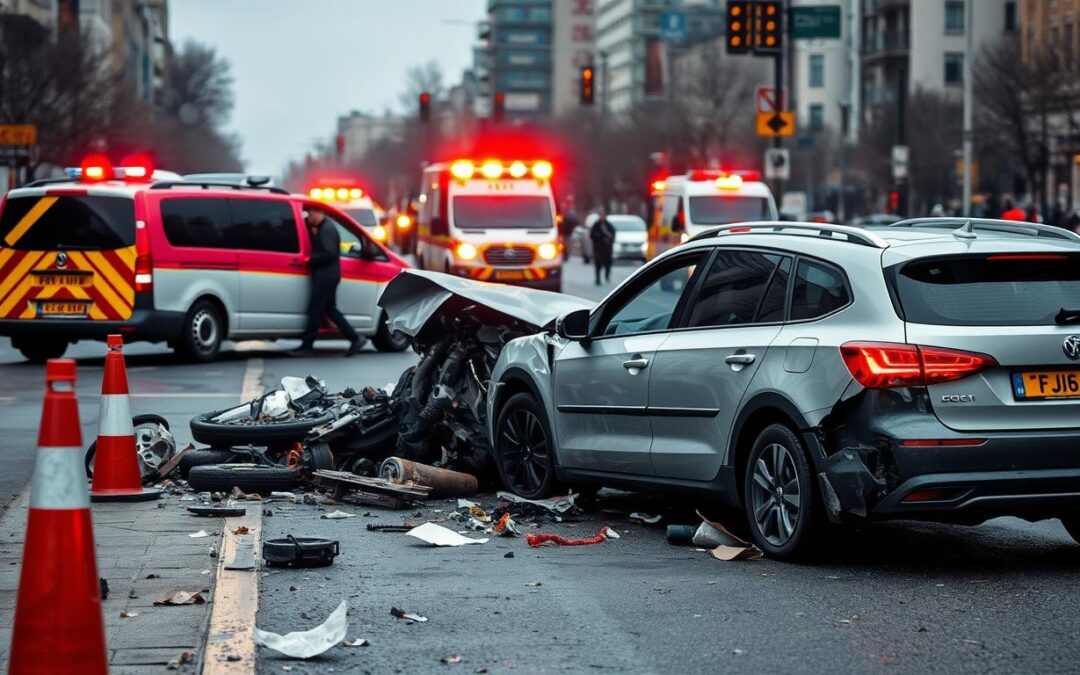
{"type": "Point", "coordinates": [144, 324]}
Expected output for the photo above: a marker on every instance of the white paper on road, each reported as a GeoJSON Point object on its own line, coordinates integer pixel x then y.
{"type": "Point", "coordinates": [437, 535]}
{"type": "Point", "coordinates": [308, 643]}
{"type": "Point", "coordinates": [337, 515]}
{"type": "Point", "coordinates": [199, 535]}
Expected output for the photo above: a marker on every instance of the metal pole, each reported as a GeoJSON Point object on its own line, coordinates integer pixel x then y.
{"type": "Point", "coordinates": [606, 83]}
{"type": "Point", "coordinates": [969, 10]}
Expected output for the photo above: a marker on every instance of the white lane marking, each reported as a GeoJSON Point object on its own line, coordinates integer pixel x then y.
{"type": "Point", "coordinates": [115, 416]}
{"type": "Point", "coordinates": [59, 480]}
{"type": "Point", "coordinates": [229, 647]}
{"type": "Point", "coordinates": [183, 394]}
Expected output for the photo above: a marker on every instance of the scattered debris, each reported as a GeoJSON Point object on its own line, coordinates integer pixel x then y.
{"type": "Point", "coordinates": [535, 540]}
{"type": "Point", "coordinates": [451, 659]}
{"type": "Point", "coordinates": [509, 554]}
{"type": "Point", "coordinates": [732, 548]}
{"type": "Point", "coordinates": [372, 527]}
{"type": "Point", "coordinates": [560, 506]}
{"type": "Point", "coordinates": [306, 644]}
{"type": "Point", "coordinates": [124, 614]}
{"type": "Point", "coordinates": [199, 535]}
{"type": "Point", "coordinates": [185, 659]}
{"type": "Point", "coordinates": [506, 527]}
{"type": "Point", "coordinates": [103, 586]}
{"type": "Point", "coordinates": [534, 584]}
{"type": "Point", "coordinates": [243, 529]}
{"type": "Point", "coordinates": [300, 552]}
{"type": "Point", "coordinates": [337, 515]}
{"type": "Point", "coordinates": [219, 511]}
{"type": "Point", "coordinates": [442, 482]}
{"type": "Point", "coordinates": [358, 642]}
{"type": "Point", "coordinates": [181, 598]}
{"type": "Point", "coordinates": [680, 535]}
{"type": "Point", "coordinates": [437, 535]}
{"type": "Point", "coordinates": [645, 518]}
{"type": "Point", "coordinates": [407, 616]}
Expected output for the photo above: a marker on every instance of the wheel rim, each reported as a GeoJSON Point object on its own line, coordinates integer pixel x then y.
{"type": "Point", "coordinates": [775, 494]}
{"type": "Point", "coordinates": [398, 339]}
{"type": "Point", "coordinates": [204, 330]}
{"type": "Point", "coordinates": [525, 451]}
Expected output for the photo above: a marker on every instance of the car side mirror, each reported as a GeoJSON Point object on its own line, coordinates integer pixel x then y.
{"type": "Point", "coordinates": [573, 326]}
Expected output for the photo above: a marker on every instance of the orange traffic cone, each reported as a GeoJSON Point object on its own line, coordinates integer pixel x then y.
{"type": "Point", "coordinates": [117, 477]}
{"type": "Point", "coordinates": [58, 624]}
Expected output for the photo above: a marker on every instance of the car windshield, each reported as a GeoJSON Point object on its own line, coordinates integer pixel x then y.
{"type": "Point", "coordinates": [365, 217]}
{"type": "Point", "coordinates": [723, 209]}
{"type": "Point", "coordinates": [481, 212]}
{"type": "Point", "coordinates": [73, 222]}
{"type": "Point", "coordinates": [989, 290]}
{"type": "Point", "coordinates": [628, 224]}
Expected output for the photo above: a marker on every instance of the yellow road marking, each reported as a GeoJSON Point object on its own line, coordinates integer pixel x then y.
{"type": "Point", "coordinates": [29, 219]}
{"type": "Point", "coordinates": [236, 592]}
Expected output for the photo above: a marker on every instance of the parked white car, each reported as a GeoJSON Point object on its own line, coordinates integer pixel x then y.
{"type": "Point", "coordinates": [631, 237]}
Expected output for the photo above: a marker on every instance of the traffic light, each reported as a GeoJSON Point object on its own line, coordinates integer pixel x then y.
{"type": "Point", "coordinates": [498, 107]}
{"type": "Point", "coordinates": [768, 27]}
{"type": "Point", "coordinates": [587, 74]}
{"type": "Point", "coordinates": [425, 106]}
{"type": "Point", "coordinates": [738, 26]}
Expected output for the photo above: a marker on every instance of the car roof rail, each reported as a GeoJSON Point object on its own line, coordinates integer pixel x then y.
{"type": "Point", "coordinates": [968, 228]}
{"type": "Point", "coordinates": [41, 182]}
{"type": "Point", "coordinates": [855, 235]}
{"type": "Point", "coordinates": [206, 185]}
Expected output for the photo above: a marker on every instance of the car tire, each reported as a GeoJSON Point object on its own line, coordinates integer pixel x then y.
{"type": "Point", "coordinates": [256, 478]}
{"type": "Point", "coordinates": [202, 333]}
{"type": "Point", "coordinates": [1072, 526]}
{"type": "Point", "coordinates": [386, 340]}
{"type": "Point", "coordinates": [780, 495]}
{"type": "Point", "coordinates": [218, 435]}
{"type": "Point", "coordinates": [136, 421]}
{"type": "Point", "coordinates": [204, 457]}
{"type": "Point", "coordinates": [525, 448]}
{"type": "Point", "coordinates": [41, 349]}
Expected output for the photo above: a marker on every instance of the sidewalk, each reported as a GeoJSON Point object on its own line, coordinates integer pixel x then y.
{"type": "Point", "coordinates": [133, 541]}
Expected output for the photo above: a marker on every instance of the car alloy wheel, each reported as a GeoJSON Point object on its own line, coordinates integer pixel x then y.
{"type": "Point", "coordinates": [525, 452]}
{"type": "Point", "coordinates": [775, 495]}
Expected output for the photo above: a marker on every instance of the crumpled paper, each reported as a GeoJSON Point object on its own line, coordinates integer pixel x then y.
{"type": "Point", "coordinates": [308, 643]}
{"type": "Point", "coordinates": [437, 535]}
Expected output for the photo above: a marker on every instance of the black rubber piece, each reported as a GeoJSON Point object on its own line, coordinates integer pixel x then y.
{"type": "Point", "coordinates": [220, 435]}
{"type": "Point", "coordinates": [300, 552]}
{"type": "Point", "coordinates": [136, 421]}
{"type": "Point", "coordinates": [208, 456]}
{"type": "Point", "coordinates": [144, 495]}
{"type": "Point", "coordinates": [222, 511]}
{"type": "Point", "coordinates": [248, 477]}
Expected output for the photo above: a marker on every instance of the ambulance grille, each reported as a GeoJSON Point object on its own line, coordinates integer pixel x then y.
{"type": "Point", "coordinates": [509, 255]}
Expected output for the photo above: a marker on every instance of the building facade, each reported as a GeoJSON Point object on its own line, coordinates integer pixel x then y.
{"type": "Point", "coordinates": [360, 131]}
{"type": "Point", "coordinates": [519, 56]}
{"type": "Point", "coordinates": [573, 47]}
{"type": "Point", "coordinates": [825, 77]}
{"type": "Point", "coordinates": [140, 45]}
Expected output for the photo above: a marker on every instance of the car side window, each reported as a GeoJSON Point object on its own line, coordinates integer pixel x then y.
{"type": "Point", "coordinates": [198, 223]}
{"type": "Point", "coordinates": [819, 290]}
{"type": "Point", "coordinates": [652, 306]}
{"type": "Point", "coordinates": [772, 305]}
{"type": "Point", "coordinates": [357, 245]}
{"type": "Point", "coordinates": [733, 289]}
{"type": "Point", "coordinates": [265, 225]}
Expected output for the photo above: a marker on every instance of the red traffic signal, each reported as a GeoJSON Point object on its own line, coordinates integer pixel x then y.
{"type": "Point", "coordinates": [498, 112]}
{"type": "Point", "coordinates": [425, 106]}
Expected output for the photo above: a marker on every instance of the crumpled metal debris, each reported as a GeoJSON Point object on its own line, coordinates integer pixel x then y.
{"type": "Point", "coordinates": [308, 643]}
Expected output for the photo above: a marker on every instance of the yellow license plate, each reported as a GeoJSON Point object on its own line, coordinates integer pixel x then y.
{"type": "Point", "coordinates": [509, 275]}
{"type": "Point", "coordinates": [1047, 384]}
{"type": "Point", "coordinates": [63, 279]}
{"type": "Point", "coordinates": [63, 308]}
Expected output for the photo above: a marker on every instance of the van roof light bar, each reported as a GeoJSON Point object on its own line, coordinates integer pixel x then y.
{"type": "Point", "coordinates": [854, 235]}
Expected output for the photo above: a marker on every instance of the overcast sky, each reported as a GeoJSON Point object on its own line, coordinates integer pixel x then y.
{"type": "Point", "coordinates": [298, 64]}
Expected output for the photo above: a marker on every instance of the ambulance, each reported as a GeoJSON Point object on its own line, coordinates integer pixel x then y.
{"type": "Point", "coordinates": [692, 203]}
{"type": "Point", "coordinates": [355, 203]}
{"type": "Point", "coordinates": [490, 220]}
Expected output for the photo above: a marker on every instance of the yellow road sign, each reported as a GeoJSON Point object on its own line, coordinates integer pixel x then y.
{"type": "Point", "coordinates": [18, 134]}
{"type": "Point", "coordinates": [775, 124]}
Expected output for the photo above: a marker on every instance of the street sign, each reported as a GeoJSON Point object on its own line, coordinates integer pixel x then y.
{"type": "Point", "coordinates": [900, 156]}
{"type": "Point", "coordinates": [673, 26]}
{"type": "Point", "coordinates": [776, 124]}
{"type": "Point", "coordinates": [18, 134]}
{"type": "Point", "coordinates": [815, 22]}
{"type": "Point", "coordinates": [766, 100]}
{"type": "Point", "coordinates": [777, 164]}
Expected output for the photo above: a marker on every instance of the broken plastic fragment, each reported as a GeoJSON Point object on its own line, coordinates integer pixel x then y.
{"type": "Point", "coordinates": [199, 535]}
{"type": "Point", "coordinates": [309, 643]}
{"type": "Point", "coordinates": [181, 598]}
{"type": "Point", "coordinates": [407, 616]}
{"type": "Point", "coordinates": [358, 642]}
{"type": "Point", "coordinates": [646, 518]}
{"type": "Point", "coordinates": [437, 535]}
{"type": "Point", "coordinates": [337, 515]}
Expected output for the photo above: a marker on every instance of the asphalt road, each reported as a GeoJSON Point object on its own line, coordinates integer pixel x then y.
{"type": "Point", "coordinates": [901, 597]}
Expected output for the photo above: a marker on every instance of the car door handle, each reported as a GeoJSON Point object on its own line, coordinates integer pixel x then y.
{"type": "Point", "coordinates": [635, 364]}
{"type": "Point", "coordinates": [741, 359]}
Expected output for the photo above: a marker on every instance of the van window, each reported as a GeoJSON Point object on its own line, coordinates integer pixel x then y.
{"type": "Point", "coordinates": [481, 212]}
{"type": "Point", "coordinates": [72, 222]}
{"type": "Point", "coordinates": [198, 223]}
{"type": "Point", "coordinates": [819, 290]}
{"type": "Point", "coordinates": [724, 209]}
{"type": "Point", "coordinates": [365, 217]}
{"type": "Point", "coordinates": [264, 225]}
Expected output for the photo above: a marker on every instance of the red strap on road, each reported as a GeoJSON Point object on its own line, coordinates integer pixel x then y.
{"type": "Point", "coordinates": [535, 540]}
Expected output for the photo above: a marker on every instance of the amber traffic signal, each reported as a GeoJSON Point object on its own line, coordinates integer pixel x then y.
{"type": "Point", "coordinates": [739, 23]}
{"type": "Point", "coordinates": [768, 27]}
{"type": "Point", "coordinates": [587, 85]}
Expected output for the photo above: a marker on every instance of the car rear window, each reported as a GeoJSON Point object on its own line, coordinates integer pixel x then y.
{"type": "Point", "coordinates": [994, 290]}
{"type": "Point", "coordinates": [72, 222]}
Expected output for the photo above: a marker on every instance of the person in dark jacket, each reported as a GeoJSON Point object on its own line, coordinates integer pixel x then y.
{"type": "Point", "coordinates": [325, 266]}
{"type": "Point", "coordinates": [602, 235]}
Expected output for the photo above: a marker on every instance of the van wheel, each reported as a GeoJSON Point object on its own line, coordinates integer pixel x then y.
{"type": "Point", "coordinates": [386, 340]}
{"type": "Point", "coordinates": [42, 349]}
{"type": "Point", "coordinates": [780, 494]}
{"type": "Point", "coordinates": [203, 331]}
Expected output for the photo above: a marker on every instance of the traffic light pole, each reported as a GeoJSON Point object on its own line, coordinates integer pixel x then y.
{"type": "Point", "coordinates": [778, 85]}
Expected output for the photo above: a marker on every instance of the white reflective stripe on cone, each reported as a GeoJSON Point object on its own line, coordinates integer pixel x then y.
{"type": "Point", "coordinates": [59, 480]}
{"type": "Point", "coordinates": [115, 416]}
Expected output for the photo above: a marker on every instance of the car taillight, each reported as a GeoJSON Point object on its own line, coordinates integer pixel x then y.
{"type": "Point", "coordinates": [144, 273]}
{"type": "Point", "coordinates": [881, 365]}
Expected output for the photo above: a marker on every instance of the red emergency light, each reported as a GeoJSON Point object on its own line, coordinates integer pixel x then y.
{"type": "Point", "coordinates": [137, 168]}
{"type": "Point", "coordinates": [96, 168]}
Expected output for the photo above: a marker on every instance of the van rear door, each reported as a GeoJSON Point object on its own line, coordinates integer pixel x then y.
{"type": "Point", "coordinates": [67, 255]}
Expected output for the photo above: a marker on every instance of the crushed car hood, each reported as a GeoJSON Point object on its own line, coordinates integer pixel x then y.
{"type": "Point", "coordinates": [414, 297]}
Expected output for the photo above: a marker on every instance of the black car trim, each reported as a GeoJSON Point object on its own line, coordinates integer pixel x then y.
{"type": "Point", "coordinates": [638, 411]}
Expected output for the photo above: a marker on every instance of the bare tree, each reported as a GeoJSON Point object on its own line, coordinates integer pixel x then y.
{"type": "Point", "coordinates": [427, 77]}
{"type": "Point", "coordinates": [199, 86]}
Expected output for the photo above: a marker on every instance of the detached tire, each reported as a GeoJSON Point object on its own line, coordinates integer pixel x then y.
{"type": "Point", "coordinates": [202, 333]}
{"type": "Point", "coordinates": [1072, 526]}
{"type": "Point", "coordinates": [781, 497]}
{"type": "Point", "coordinates": [248, 477]}
{"type": "Point", "coordinates": [204, 457]}
{"type": "Point", "coordinates": [136, 421]}
{"type": "Point", "coordinates": [525, 448]}
{"type": "Point", "coordinates": [218, 435]}
{"type": "Point", "coordinates": [386, 340]}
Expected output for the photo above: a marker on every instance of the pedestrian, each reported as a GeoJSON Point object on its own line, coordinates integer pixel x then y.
{"type": "Point", "coordinates": [1011, 211]}
{"type": "Point", "coordinates": [602, 235]}
{"type": "Point", "coordinates": [1070, 221]}
{"type": "Point", "coordinates": [325, 266]}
